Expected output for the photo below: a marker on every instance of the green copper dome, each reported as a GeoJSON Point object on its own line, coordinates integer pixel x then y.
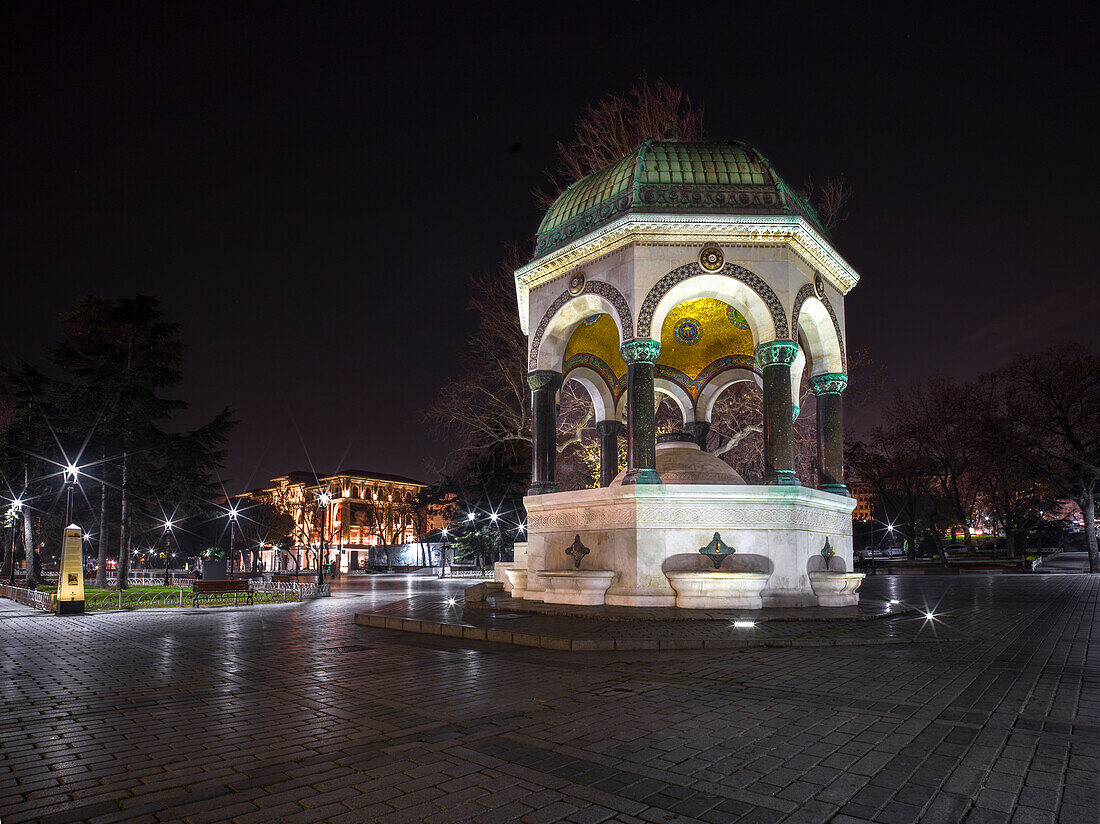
{"type": "Point", "coordinates": [720, 177]}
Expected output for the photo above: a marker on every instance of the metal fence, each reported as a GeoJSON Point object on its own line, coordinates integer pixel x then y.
{"type": "Point", "coordinates": [127, 599]}
{"type": "Point", "coordinates": [299, 590]}
{"type": "Point", "coordinates": [453, 572]}
{"type": "Point", "coordinates": [30, 597]}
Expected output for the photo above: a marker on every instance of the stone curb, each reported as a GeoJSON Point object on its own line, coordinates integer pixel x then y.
{"type": "Point", "coordinates": [526, 639]}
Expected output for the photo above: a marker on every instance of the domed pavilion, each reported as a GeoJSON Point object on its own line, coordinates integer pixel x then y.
{"type": "Point", "coordinates": [680, 270]}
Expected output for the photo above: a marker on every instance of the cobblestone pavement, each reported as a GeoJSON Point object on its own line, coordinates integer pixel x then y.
{"type": "Point", "coordinates": [293, 713]}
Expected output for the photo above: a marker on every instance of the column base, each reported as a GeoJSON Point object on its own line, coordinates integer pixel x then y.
{"type": "Point", "coordinates": [835, 489]}
{"type": "Point", "coordinates": [782, 477]}
{"type": "Point", "coordinates": [70, 607]}
{"type": "Point", "coordinates": [641, 476]}
{"type": "Point", "coordinates": [542, 488]}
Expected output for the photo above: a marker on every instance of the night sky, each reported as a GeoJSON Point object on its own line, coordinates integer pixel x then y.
{"type": "Point", "coordinates": [308, 189]}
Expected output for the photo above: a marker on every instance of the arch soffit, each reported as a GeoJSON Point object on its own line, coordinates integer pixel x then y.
{"type": "Point", "coordinates": [719, 384]}
{"type": "Point", "coordinates": [603, 402]}
{"type": "Point", "coordinates": [816, 319]}
{"type": "Point", "coordinates": [744, 290]}
{"type": "Point", "coordinates": [679, 396]}
{"type": "Point", "coordinates": [562, 316]}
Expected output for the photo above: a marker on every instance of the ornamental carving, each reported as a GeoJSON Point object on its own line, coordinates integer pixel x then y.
{"type": "Point", "coordinates": [831, 383]}
{"type": "Point", "coordinates": [711, 258]}
{"type": "Point", "coordinates": [711, 515]}
{"type": "Point", "coordinates": [690, 270]}
{"type": "Point", "coordinates": [591, 287]}
{"type": "Point", "coordinates": [542, 379]}
{"type": "Point", "coordinates": [809, 290]}
{"type": "Point", "coordinates": [576, 283]}
{"type": "Point", "coordinates": [641, 350]}
{"type": "Point", "coordinates": [776, 352]}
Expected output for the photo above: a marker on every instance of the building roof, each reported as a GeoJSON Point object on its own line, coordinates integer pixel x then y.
{"type": "Point", "coordinates": [716, 177]}
{"type": "Point", "coordinates": [314, 479]}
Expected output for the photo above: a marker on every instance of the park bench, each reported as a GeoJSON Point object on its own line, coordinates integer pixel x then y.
{"type": "Point", "coordinates": [220, 591]}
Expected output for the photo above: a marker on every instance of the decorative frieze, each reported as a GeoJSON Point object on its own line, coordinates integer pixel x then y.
{"type": "Point", "coordinates": [706, 515]}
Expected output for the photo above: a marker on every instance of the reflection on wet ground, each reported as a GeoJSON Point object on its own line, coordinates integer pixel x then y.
{"type": "Point", "coordinates": [291, 712]}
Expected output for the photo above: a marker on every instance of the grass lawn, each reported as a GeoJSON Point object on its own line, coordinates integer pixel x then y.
{"type": "Point", "coordinates": [149, 597]}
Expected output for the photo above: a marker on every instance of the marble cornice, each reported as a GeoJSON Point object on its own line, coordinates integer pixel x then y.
{"type": "Point", "coordinates": [792, 231]}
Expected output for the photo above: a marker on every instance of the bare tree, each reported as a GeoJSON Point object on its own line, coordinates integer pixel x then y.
{"type": "Point", "coordinates": [830, 199]}
{"type": "Point", "coordinates": [617, 125]}
{"type": "Point", "coordinates": [1053, 405]}
{"type": "Point", "coordinates": [938, 425]}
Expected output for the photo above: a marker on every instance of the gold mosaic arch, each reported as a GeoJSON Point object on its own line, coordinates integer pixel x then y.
{"type": "Point", "coordinates": [700, 338]}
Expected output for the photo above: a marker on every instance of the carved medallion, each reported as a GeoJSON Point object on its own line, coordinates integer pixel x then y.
{"type": "Point", "coordinates": [711, 258]}
{"type": "Point", "coordinates": [576, 283]}
{"type": "Point", "coordinates": [819, 285]}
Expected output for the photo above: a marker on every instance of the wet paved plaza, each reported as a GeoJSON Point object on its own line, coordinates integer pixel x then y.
{"type": "Point", "coordinates": [293, 713]}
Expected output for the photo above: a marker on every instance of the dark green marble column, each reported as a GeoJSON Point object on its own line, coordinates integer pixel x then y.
{"type": "Point", "coordinates": [774, 360]}
{"type": "Point", "coordinates": [609, 450]}
{"type": "Point", "coordinates": [544, 385]}
{"type": "Point", "coordinates": [641, 425]}
{"type": "Point", "coordinates": [830, 431]}
{"type": "Point", "coordinates": [699, 431]}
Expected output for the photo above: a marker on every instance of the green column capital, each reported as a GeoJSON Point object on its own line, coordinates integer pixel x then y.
{"type": "Point", "coordinates": [776, 352]}
{"type": "Point", "coordinates": [641, 350]}
{"type": "Point", "coordinates": [830, 383]}
{"type": "Point", "coordinates": [543, 378]}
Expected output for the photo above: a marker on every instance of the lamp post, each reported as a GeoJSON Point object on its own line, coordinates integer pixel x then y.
{"type": "Point", "coordinates": [322, 501]}
{"type": "Point", "coordinates": [71, 471]}
{"type": "Point", "coordinates": [232, 537]}
{"type": "Point", "coordinates": [167, 531]}
{"type": "Point", "coordinates": [17, 512]}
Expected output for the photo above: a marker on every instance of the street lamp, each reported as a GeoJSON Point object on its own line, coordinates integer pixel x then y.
{"type": "Point", "coordinates": [15, 512]}
{"type": "Point", "coordinates": [232, 534]}
{"type": "Point", "coordinates": [167, 531]}
{"type": "Point", "coordinates": [71, 471]}
{"type": "Point", "coordinates": [322, 501]}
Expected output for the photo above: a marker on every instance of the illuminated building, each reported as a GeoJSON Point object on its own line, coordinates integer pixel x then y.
{"type": "Point", "coordinates": [371, 518]}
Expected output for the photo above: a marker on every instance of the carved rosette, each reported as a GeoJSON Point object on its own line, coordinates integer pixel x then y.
{"type": "Point", "coordinates": [831, 383]}
{"type": "Point", "coordinates": [641, 350]}
{"type": "Point", "coordinates": [542, 378]}
{"type": "Point", "coordinates": [776, 352]}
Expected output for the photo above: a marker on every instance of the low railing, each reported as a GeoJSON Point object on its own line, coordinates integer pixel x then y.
{"type": "Point", "coordinates": [30, 597]}
{"type": "Point", "coordinates": [453, 572]}
{"type": "Point", "coordinates": [298, 589]}
{"type": "Point", "coordinates": [128, 599]}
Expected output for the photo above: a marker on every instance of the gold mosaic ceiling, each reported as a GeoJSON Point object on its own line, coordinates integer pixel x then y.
{"type": "Point", "coordinates": [698, 332]}
{"type": "Point", "coordinates": [694, 335]}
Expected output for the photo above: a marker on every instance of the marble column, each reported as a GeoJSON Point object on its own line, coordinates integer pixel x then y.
{"type": "Point", "coordinates": [609, 450]}
{"type": "Point", "coordinates": [830, 431]}
{"type": "Point", "coordinates": [774, 360]}
{"type": "Point", "coordinates": [544, 384]}
{"type": "Point", "coordinates": [641, 425]}
{"type": "Point", "coordinates": [699, 431]}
